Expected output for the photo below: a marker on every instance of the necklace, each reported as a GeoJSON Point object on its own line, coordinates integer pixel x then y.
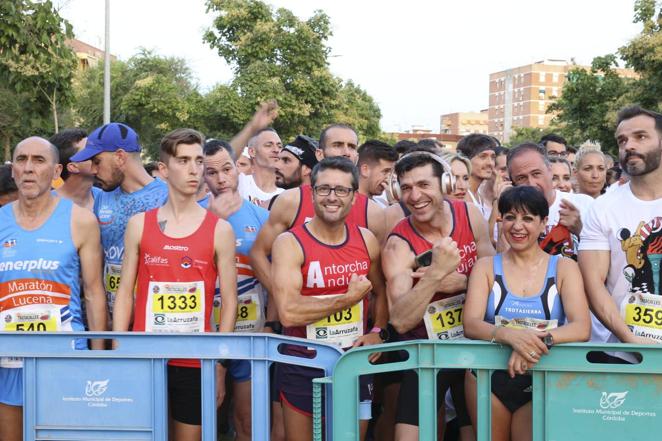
{"type": "Point", "coordinates": [527, 286]}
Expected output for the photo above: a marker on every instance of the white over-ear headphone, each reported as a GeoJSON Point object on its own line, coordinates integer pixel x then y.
{"type": "Point", "coordinates": [447, 181]}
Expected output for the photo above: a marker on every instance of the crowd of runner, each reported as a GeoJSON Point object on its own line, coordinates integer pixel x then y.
{"type": "Point", "coordinates": [335, 242]}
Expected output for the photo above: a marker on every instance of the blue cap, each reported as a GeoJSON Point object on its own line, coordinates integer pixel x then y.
{"type": "Point", "coordinates": [108, 138]}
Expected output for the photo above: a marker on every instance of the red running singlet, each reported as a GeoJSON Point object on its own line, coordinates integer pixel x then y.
{"type": "Point", "coordinates": [326, 270]}
{"type": "Point", "coordinates": [358, 214]}
{"type": "Point", "coordinates": [461, 233]}
{"type": "Point", "coordinates": [176, 280]}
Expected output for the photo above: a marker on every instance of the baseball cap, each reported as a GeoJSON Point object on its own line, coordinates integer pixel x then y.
{"type": "Point", "coordinates": [303, 148]}
{"type": "Point", "coordinates": [108, 138]}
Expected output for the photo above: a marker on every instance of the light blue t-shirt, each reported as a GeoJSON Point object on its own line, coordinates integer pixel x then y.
{"type": "Point", "coordinates": [246, 223]}
{"type": "Point", "coordinates": [113, 210]}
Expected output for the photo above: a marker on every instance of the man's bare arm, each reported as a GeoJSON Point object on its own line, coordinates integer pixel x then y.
{"type": "Point", "coordinates": [123, 309]}
{"type": "Point", "coordinates": [295, 309]}
{"type": "Point", "coordinates": [87, 238]}
{"type": "Point", "coordinates": [224, 250]}
{"type": "Point", "coordinates": [262, 118]}
{"type": "Point", "coordinates": [594, 266]}
{"type": "Point", "coordinates": [376, 277]}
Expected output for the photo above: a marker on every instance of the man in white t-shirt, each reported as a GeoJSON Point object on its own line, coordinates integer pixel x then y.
{"type": "Point", "coordinates": [528, 165]}
{"type": "Point", "coordinates": [621, 246]}
{"type": "Point", "coordinates": [264, 145]}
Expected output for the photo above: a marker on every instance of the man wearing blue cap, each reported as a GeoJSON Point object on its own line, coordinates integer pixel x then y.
{"type": "Point", "coordinates": [128, 190]}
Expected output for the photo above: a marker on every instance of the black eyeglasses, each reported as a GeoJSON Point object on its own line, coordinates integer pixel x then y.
{"type": "Point", "coordinates": [558, 154]}
{"type": "Point", "coordinates": [340, 191]}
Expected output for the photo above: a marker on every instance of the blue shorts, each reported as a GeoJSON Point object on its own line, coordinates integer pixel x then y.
{"type": "Point", "coordinates": [11, 386]}
{"type": "Point", "coordinates": [240, 370]}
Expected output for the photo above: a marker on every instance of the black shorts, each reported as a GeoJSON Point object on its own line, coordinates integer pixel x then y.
{"type": "Point", "coordinates": [185, 394]}
{"type": "Point", "coordinates": [407, 411]}
{"type": "Point", "coordinates": [295, 384]}
{"type": "Point", "coordinates": [512, 392]}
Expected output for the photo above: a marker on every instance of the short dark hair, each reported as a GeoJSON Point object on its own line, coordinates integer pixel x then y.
{"type": "Point", "coordinates": [553, 137]}
{"type": "Point", "coordinates": [372, 151]}
{"type": "Point", "coordinates": [151, 167]}
{"type": "Point", "coordinates": [571, 149]}
{"type": "Point", "coordinates": [170, 142]}
{"type": "Point", "coordinates": [213, 146]}
{"type": "Point", "coordinates": [7, 183]}
{"type": "Point", "coordinates": [474, 143]}
{"type": "Point", "coordinates": [322, 143]}
{"type": "Point", "coordinates": [524, 198]}
{"type": "Point", "coordinates": [336, 163]}
{"type": "Point", "coordinates": [428, 142]}
{"type": "Point", "coordinates": [500, 150]}
{"type": "Point", "coordinates": [403, 146]}
{"type": "Point", "coordinates": [412, 161]}
{"type": "Point", "coordinates": [526, 147]}
{"type": "Point", "coordinates": [630, 112]}
{"type": "Point", "coordinates": [64, 142]}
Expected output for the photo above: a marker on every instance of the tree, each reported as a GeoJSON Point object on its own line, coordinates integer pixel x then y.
{"type": "Point", "coordinates": [151, 93]}
{"type": "Point", "coordinates": [35, 62]}
{"type": "Point", "coordinates": [586, 110]}
{"type": "Point", "coordinates": [275, 55]}
{"type": "Point", "coordinates": [591, 98]}
{"type": "Point", "coordinates": [525, 134]}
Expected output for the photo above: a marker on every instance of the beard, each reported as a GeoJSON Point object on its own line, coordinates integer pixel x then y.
{"type": "Point", "coordinates": [650, 162]}
{"type": "Point", "coordinates": [293, 181]}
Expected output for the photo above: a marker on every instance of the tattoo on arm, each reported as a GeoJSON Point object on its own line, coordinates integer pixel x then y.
{"type": "Point", "coordinates": [162, 225]}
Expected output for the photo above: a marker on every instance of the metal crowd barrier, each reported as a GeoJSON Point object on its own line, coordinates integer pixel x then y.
{"type": "Point", "coordinates": [122, 394]}
{"type": "Point", "coordinates": [573, 399]}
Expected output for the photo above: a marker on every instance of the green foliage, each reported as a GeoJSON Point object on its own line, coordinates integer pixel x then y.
{"type": "Point", "coordinates": [591, 99]}
{"type": "Point", "coordinates": [275, 55]}
{"type": "Point", "coordinates": [525, 134]}
{"type": "Point", "coordinates": [36, 66]}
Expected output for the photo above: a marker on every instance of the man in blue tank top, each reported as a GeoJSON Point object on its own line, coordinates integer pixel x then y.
{"type": "Point", "coordinates": [246, 219]}
{"type": "Point", "coordinates": [46, 242]}
{"type": "Point", "coordinates": [128, 190]}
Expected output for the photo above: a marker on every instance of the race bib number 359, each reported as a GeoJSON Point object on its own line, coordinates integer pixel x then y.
{"type": "Point", "coordinates": [643, 315]}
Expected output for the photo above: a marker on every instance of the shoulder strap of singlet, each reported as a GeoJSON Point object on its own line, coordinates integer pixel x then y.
{"type": "Point", "coordinates": [550, 280]}
{"type": "Point", "coordinates": [497, 267]}
{"type": "Point", "coordinates": [298, 213]}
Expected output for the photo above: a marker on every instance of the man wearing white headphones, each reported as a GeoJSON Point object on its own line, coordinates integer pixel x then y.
{"type": "Point", "coordinates": [425, 298]}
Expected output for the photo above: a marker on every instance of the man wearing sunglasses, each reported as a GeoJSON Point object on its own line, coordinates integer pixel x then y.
{"type": "Point", "coordinates": [321, 274]}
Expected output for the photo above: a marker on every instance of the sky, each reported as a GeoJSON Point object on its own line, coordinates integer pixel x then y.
{"type": "Point", "coordinates": [418, 59]}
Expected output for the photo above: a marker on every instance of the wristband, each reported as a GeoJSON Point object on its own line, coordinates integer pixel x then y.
{"type": "Point", "coordinates": [375, 330]}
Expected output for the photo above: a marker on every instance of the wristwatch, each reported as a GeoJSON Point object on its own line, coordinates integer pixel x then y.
{"type": "Point", "coordinates": [384, 335]}
{"type": "Point", "coordinates": [275, 326]}
{"type": "Point", "coordinates": [548, 340]}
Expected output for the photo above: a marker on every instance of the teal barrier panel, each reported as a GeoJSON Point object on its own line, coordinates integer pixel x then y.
{"type": "Point", "coordinates": [572, 398]}
{"type": "Point", "coordinates": [121, 394]}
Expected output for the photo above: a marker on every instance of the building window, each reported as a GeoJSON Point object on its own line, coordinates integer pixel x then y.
{"type": "Point", "coordinates": [541, 120]}
{"type": "Point", "coordinates": [555, 77]}
{"type": "Point", "coordinates": [542, 76]}
{"type": "Point", "coordinates": [555, 92]}
{"type": "Point", "coordinates": [541, 93]}
{"type": "Point", "coordinates": [541, 105]}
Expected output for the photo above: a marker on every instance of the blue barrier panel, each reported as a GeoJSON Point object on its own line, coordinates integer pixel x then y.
{"type": "Point", "coordinates": [572, 398]}
{"type": "Point", "coordinates": [121, 394]}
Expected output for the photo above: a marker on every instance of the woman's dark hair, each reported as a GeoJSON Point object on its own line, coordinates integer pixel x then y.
{"type": "Point", "coordinates": [524, 198]}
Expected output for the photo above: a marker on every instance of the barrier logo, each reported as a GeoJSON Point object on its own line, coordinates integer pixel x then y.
{"type": "Point", "coordinates": [613, 400]}
{"type": "Point", "coordinates": [96, 388]}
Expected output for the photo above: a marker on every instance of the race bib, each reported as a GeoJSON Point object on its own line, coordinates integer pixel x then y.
{"type": "Point", "coordinates": [111, 282]}
{"type": "Point", "coordinates": [443, 318]}
{"type": "Point", "coordinates": [643, 315]}
{"type": "Point", "coordinates": [525, 323]}
{"type": "Point", "coordinates": [342, 328]}
{"type": "Point", "coordinates": [175, 307]}
{"type": "Point", "coordinates": [250, 317]}
{"type": "Point", "coordinates": [35, 318]}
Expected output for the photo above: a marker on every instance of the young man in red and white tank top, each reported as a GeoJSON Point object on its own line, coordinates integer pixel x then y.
{"type": "Point", "coordinates": [173, 256]}
{"type": "Point", "coordinates": [321, 274]}
{"type": "Point", "coordinates": [426, 300]}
